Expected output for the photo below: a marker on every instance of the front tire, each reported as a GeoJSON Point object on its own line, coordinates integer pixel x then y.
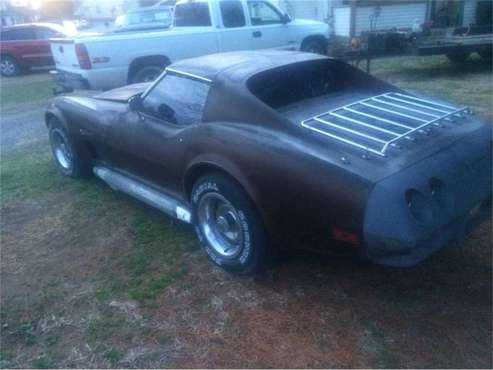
{"type": "Point", "coordinates": [314, 47]}
{"type": "Point", "coordinates": [71, 158]}
{"type": "Point", "coordinates": [9, 67]}
{"type": "Point", "coordinates": [227, 225]}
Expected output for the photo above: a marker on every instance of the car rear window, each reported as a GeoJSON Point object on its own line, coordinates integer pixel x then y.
{"type": "Point", "coordinates": [296, 82]}
{"type": "Point", "coordinates": [192, 15]}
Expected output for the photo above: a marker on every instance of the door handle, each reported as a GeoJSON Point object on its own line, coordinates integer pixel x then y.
{"type": "Point", "coordinates": [257, 34]}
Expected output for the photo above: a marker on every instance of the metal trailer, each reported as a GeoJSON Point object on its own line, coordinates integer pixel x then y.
{"type": "Point", "coordinates": [456, 43]}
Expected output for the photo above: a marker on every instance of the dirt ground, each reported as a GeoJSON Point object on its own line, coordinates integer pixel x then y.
{"type": "Point", "coordinates": [91, 278]}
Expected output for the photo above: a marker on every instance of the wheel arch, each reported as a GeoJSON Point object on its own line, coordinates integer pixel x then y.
{"type": "Point", "coordinates": [143, 61]}
{"type": "Point", "coordinates": [54, 112]}
{"type": "Point", "coordinates": [7, 54]}
{"type": "Point", "coordinates": [199, 169]}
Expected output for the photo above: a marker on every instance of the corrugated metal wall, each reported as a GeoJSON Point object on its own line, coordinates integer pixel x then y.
{"type": "Point", "coordinates": [397, 15]}
{"type": "Point", "coordinates": [308, 9]}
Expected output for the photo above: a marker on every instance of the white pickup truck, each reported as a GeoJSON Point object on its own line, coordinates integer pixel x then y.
{"type": "Point", "coordinates": [199, 27]}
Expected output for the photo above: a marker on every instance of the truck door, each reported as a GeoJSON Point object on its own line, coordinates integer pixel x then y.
{"type": "Point", "coordinates": [235, 33]}
{"type": "Point", "coordinates": [267, 25]}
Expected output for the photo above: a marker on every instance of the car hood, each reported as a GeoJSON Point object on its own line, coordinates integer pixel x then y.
{"type": "Point", "coordinates": [123, 94]}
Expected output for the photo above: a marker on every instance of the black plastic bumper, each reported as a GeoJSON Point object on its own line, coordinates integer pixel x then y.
{"type": "Point", "coordinates": [69, 81]}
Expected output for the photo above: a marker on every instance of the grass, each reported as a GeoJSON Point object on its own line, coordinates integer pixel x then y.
{"type": "Point", "coordinates": [141, 270]}
{"type": "Point", "coordinates": [12, 95]}
{"type": "Point", "coordinates": [469, 83]}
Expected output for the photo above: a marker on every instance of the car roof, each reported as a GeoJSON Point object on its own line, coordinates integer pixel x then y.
{"type": "Point", "coordinates": [54, 26]}
{"type": "Point", "coordinates": [240, 65]}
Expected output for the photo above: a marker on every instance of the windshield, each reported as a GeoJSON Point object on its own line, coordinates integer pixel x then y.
{"type": "Point", "coordinates": [161, 16]}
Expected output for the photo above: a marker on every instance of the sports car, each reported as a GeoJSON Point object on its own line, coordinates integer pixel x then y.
{"type": "Point", "coordinates": [268, 150]}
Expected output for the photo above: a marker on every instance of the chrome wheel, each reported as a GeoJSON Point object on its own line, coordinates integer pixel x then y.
{"type": "Point", "coordinates": [7, 67]}
{"type": "Point", "coordinates": [61, 150]}
{"type": "Point", "coordinates": [220, 224]}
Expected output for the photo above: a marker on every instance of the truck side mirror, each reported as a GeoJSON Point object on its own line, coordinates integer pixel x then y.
{"type": "Point", "coordinates": [135, 103]}
{"type": "Point", "coordinates": [285, 18]}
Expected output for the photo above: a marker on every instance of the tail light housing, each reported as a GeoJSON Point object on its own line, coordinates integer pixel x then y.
{"type": "Point", "coordinates": [83, 56]}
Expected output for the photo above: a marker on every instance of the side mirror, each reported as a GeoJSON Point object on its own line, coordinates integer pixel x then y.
{"type": "Point", "coordinates": [285, 18]}
{"type": "Point", "coordinates": [135, 103]}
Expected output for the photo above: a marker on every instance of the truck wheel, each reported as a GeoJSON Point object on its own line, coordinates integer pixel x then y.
{"type": "Point", "coordinates": [147, 74]}
{"type": "Point", "coordinates": [486, 54]}
{"type": "Point", "coordinates": [71, 158]}
{"type": "Point", "coordinates": [458, 57]}
{"type": "Point", "coordinates": [227, 225]}
{"type": "Point", "coordinates": [9, 67]}
{"type": "Point", "coordinates": [314, 47]}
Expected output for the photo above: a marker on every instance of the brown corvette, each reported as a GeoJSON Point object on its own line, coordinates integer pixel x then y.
{"type": "Point", "coordinates": [268, 150]}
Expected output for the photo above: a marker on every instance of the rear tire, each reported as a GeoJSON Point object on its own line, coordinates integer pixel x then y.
{"type": "Point", "coordinates": [314, 47]}
{"type": "Point", "coordinates": [147, 74]}
{"type": "Point", "coordinates": [458, 57]}
{"type": "Point", "coordinates": [9, 67]}
{"type": "Point", "coordinates": [71, 158]}
{"type": "Point", "coordinates": [227, 225]}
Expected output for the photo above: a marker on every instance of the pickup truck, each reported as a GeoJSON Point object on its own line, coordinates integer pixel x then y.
{"type": "Point", "coordinates": [199, 27]}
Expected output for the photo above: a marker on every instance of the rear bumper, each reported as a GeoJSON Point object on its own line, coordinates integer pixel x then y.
{"type": "Point", "coordinates": [393, 236]}
{"type": "Point", "coordinates": [69, 81]}
{"type": "Point", "coordinates": [399, 253]}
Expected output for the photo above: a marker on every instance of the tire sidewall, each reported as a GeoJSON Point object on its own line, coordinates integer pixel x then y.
{"type": "Point", "coordinates": [252, 251]}
{"type": "Point", "coordinates": [56, 130]}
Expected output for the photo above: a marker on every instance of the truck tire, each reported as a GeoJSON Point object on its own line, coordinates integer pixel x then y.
{"type": "Point", "coordinates": [70, 157]}
{"type": "Point", "coordinates": [227, 225]}
{"type": "Point", "coordinates": [314, 46]}
{"type": "Point", "coordinates": [486, 54]}
{"type": "Point", "coordinates": [458, 57]}
{"type": "Point", "coordinates": [147, 73]}
{"type": "Point", "coordinates": [9, 66]}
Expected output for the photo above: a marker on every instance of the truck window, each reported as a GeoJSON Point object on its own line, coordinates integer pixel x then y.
{"type": "Point", "coordinates": [43, 33]}
{"type": "Point", "coordinates": [263, 13]}
{"type": "Point", "coordinates": [192, 15]}
{"type": "Point", "coordinates": [232, 13]}
{"type": "Point", "coordinates": [176, 99]}
{"type": "Point", "coordinates": [18, 34]}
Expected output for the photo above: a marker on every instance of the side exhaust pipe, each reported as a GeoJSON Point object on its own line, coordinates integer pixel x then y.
{"type": "Point", "coordinates": [144, 193]}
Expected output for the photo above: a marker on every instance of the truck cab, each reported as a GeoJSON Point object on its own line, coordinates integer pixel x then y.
{"type": "Point", "coordinates": [200, 27]}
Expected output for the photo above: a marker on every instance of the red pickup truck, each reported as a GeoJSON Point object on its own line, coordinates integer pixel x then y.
{"type": "Point", "coordinates": [27, 45]}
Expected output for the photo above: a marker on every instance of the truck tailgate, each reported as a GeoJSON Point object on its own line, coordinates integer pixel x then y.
{"type": "Point", "coordinates": [63, 51]}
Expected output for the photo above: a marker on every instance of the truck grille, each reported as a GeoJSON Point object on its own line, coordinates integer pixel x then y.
{"type": "Point", "coordinates": [382, 122]}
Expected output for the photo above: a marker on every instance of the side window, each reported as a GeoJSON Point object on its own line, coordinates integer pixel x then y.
{"type": "Point", "coordinates": [19, 34]}
{"type": "Point", "coordinates": [232, 13]}
{"type": "Point", "coordinates": [44, 33]}
{"type": "Point", "coordinates": [192, 15]}
{"type": "Point", "coordinates": [176, 99]}
{"type": "Point", "coordinates": [263, 13]}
